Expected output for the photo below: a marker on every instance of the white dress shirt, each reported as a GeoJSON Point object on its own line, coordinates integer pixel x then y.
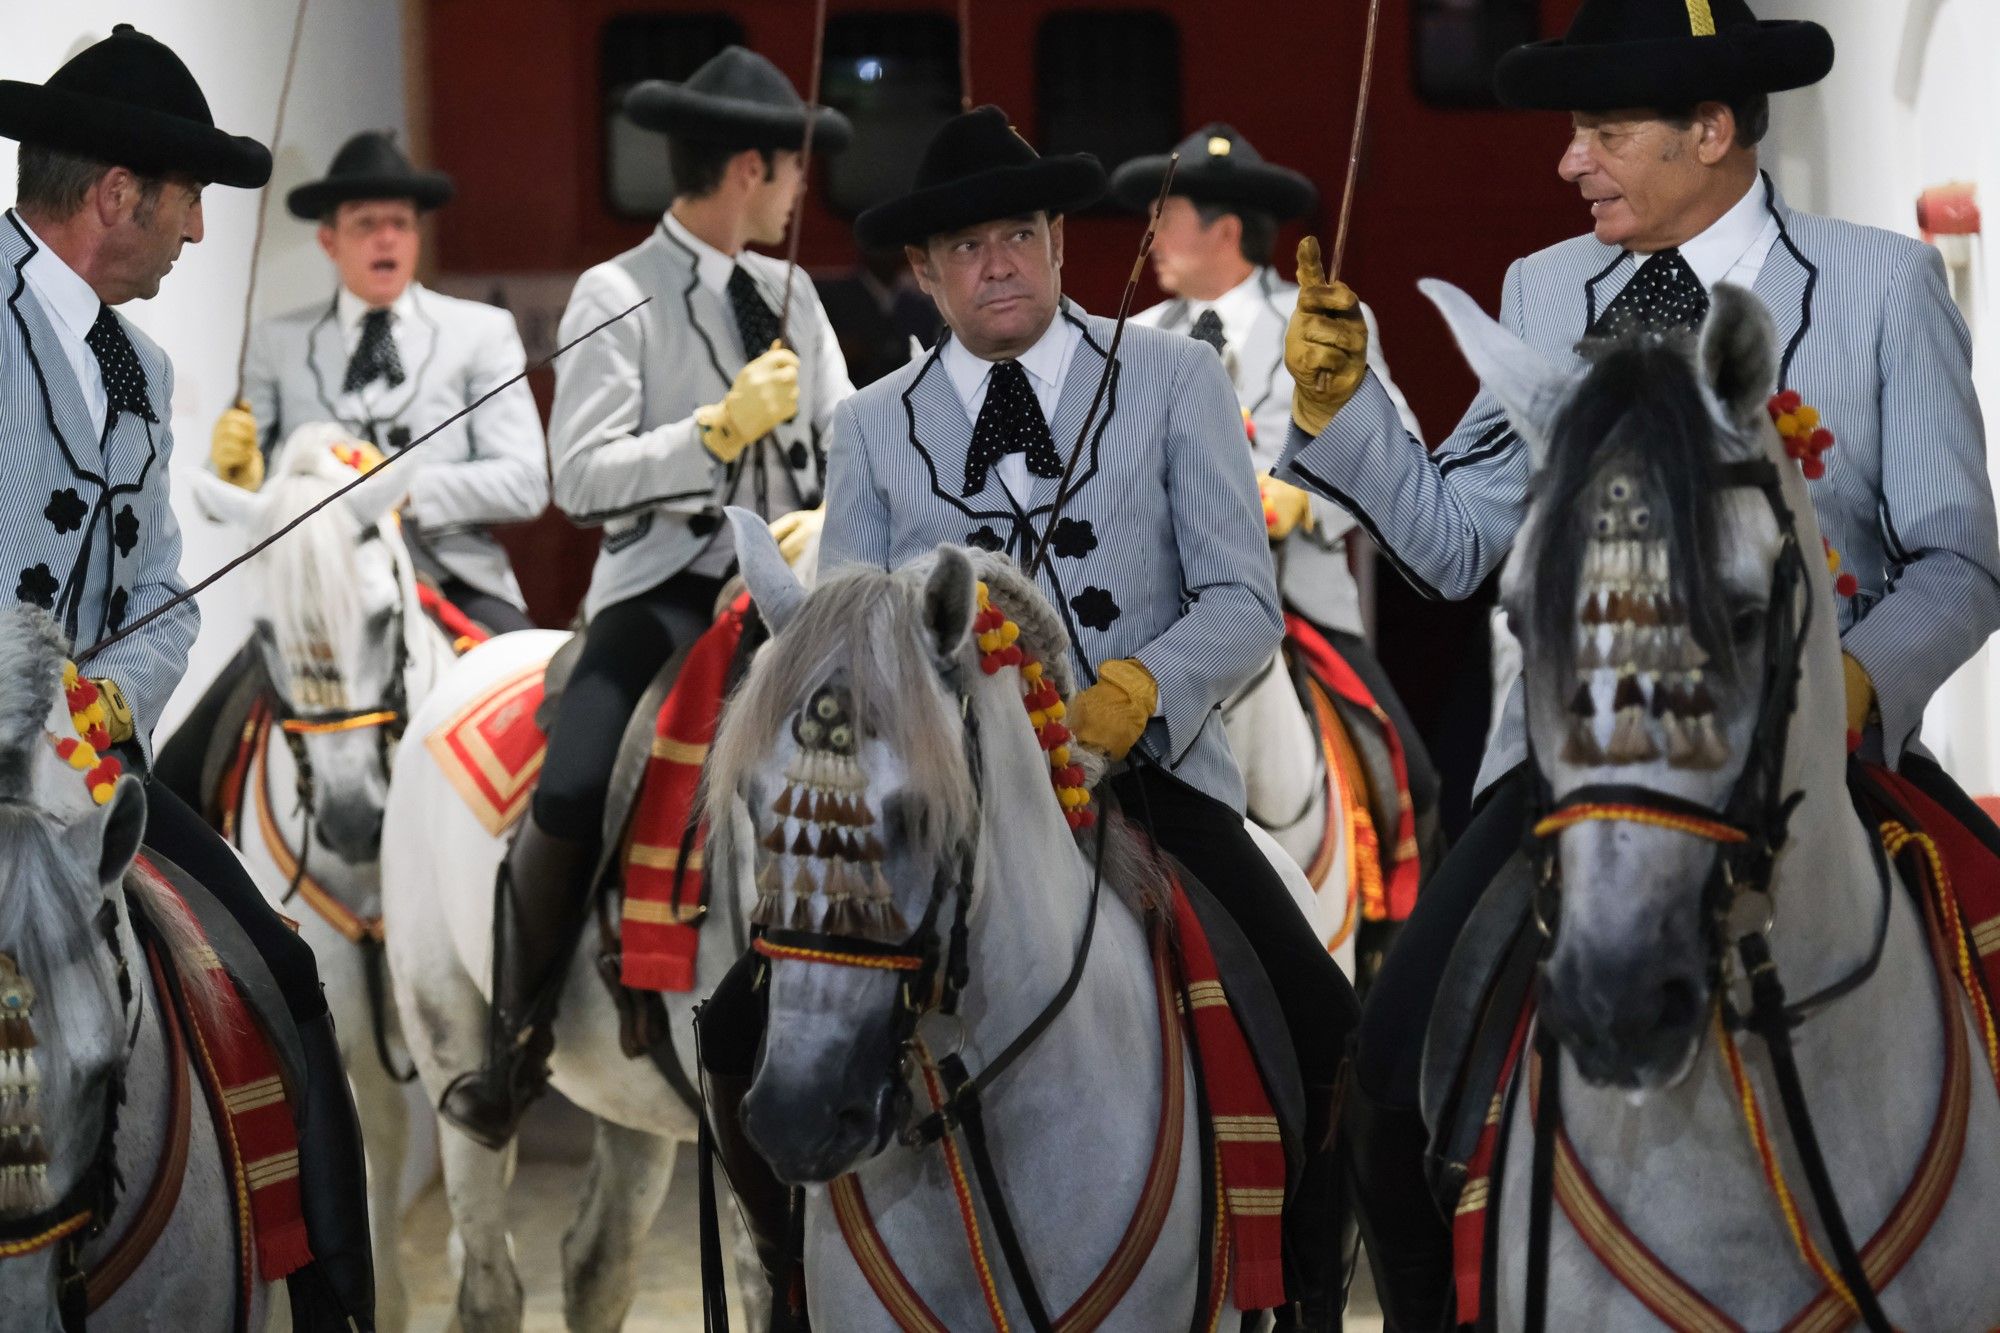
{"type": "Point", "coordinates": [72, 307]}
{"type": "Point", "coordinates": [1735, 246]}
{"type": "Point", "coordinates": [1047, 362]}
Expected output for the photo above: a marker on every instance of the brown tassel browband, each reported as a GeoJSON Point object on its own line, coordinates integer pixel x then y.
{"type": "Point", "coordinates": [24, 1158]}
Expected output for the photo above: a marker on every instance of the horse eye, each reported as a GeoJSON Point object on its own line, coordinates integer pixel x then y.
{"type": "Point", "coordinates": [1746, 623]}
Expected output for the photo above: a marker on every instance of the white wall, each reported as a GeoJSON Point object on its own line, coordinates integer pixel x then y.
{"type": "Point", "coordinates": [350, 77]}
{"type": "Point", "coordinates": [1912, 102]}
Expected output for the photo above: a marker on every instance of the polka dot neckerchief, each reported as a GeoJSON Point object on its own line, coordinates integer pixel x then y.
{"type": "Point", "coordinates": [124, 377]}
{"type": "Point", "coordinates": [1010, 422]}
{"type": "Point", "coordinates": [1664, 296]}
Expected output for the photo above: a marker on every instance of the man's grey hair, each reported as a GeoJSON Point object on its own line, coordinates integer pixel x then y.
{"type": "Point", "coordinates": [51, 183]}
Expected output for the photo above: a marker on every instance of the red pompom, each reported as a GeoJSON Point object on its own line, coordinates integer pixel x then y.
{"type": "Point", "coordinates": [99, 738]}
{"type": "Point", "coordinates": [1788, 401]}
{"type": "Point", "coordinates": [65, 748]}
{"type": "Point", "coordinates": [990, 663]}
{"type": "Point", "coordinates": [1847, 585]}
{"type": "Point", "coordinates": [1813, 468]}
{"type": "Point", "coordinates": [1821, 440]}
{"type": "Point", "coordinates": [1853, 741]}
{"type": "Point", "coordinates": [1054, 734]}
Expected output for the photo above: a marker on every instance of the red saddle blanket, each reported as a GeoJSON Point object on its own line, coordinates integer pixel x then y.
{"type": "Point", "coordinates": [239, 1075]}
{"type": "Point", "coordinates": [492, 753]}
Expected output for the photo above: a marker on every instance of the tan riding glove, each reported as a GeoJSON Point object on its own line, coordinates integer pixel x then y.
{"type": "Point", "coordinates": [118, 719]}
{"type": "Point", "coordinates": [1860, 698]}
{"type": "Point", "coordinates": [1286, 507]}
{"type": "Point", "coordinates": [233, 448]}
{"type": "Point", "coordinates": [1112, 714]}
{"type": "Point", "coordinates": [765, 395]}
{"type": "Point", "coordinates": [797, 531]}
{"type": "Point", "coordinates": [1326, 344]}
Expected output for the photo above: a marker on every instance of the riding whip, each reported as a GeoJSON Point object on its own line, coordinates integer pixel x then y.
{"type": "Point", "coordinates": [1354, 149]}
{"type": "Point", "coordinates": [257, 235]}
{"type": "Point", "coordinates": [965, 55]}
{"type": "Point", "coordinates": [387, 462]}
{"type": "Point", "coordinates": [805, 166]}
{"type": "Point", "coordinates": [1110, 363]}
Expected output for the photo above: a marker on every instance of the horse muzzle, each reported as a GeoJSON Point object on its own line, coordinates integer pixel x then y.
{"type": "Point", "coordinates": [1630, 1024]}
{"type": "Point", "coordinates": [811, 1134]}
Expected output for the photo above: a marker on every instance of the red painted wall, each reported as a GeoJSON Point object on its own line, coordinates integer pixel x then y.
{"type": "Point", "coordinates": [1457, 194]}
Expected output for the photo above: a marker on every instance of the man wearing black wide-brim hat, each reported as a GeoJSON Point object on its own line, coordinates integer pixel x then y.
{"type": "Point", "coordinates": [388, 359]}
{"type": "Point", "coordinates": [660, 420]}
{"type": "Point", "coordinates": [1158, 562]}
{"type": "Point", "coordinates": [1668, 100]}
{"type": "Point", "coordinates": [115, 151]}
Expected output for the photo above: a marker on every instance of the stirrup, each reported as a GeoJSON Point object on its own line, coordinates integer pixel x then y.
{"type": "Point", "coordinates": [488, 1103]}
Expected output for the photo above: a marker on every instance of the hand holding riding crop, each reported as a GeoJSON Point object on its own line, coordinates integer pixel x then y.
{"type": "Point", "coordinates": [1286, 507]}
{"type": "Point", "coordinates": [233, 448]}
{"type": "Point", "coordinates": [1112, 714]}
{"type": "Point", "coordinates": [797, 531]}
{"type": "Point", "coordinates": [1326, 344]}
{"type": "Point", "coordinates": [765, 395]}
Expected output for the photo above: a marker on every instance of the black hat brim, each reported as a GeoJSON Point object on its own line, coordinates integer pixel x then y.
{"type": "Point", "coordinates": [129, 136]}
{"type": "Point", "coordinates": [735, 122]}
{"type": "Point", "coordinates": [1262, 187]}
{"type": "Point", "coordinates": [426, 189]}
{"type": "Point", "coordinates": [1774, 56]}
{"type": "Point", "coordinates": [1059, 184]}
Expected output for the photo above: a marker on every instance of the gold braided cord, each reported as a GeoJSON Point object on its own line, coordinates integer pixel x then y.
{"type": "Point", "coordinates": [879, 963]}
{"type": "Point", "coordinates": [1701, 22]}
{"type": "Point", "coordinates": [1710, 829]}
{"type": "Point", "coordinates": [359, 722]}
{"type": "Point", "coordinates": [67, 1227]}
{"type": "Point", "coordinates": [1896, 838]}
{"type": "Point", "coordinates": [975, 1242]}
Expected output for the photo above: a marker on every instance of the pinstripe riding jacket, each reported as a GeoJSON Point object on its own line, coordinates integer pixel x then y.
{"type": "Point", "coordinates": [1159, 552]}
{"type": "Point", "coordinates": [87, 530]}
{"type": "Point", "coordinates": [1868, 335]}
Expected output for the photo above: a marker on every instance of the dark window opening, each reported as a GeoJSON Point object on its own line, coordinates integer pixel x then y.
{"type": "Point", "coordinates": [631, 49]}
{"type": "Point", "coordinates": [1109, 83]}
{"type": "Point", "coordinates": [896, 77]}
{"type": "Point", "coordinates": [1457, 43]}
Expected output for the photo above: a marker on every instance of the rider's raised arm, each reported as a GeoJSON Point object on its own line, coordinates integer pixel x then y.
{"type": "Point", "coordinates": [1943, 597]}
{"type": "Point", "coordinates": [605, 464]}
{"type": "Point", "coordinates": [1230, 624]}
{"type": "Point", "coordinates": [1445, 520]}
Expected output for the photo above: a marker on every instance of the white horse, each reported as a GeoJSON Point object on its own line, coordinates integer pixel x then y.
{"type": "Point", "coordinates": [944, 770]}
{"type": "Point", "coordinates": [64, 866]}
{"type": "Point", "coordinates": [1658, 450]}
{"type": "Point", "coordinates": [349, 653]}
{"type": "Point", "coordinates": [1291, 793]}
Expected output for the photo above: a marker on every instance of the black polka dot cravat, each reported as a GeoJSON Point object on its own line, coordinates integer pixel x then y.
{"type": "Point", "coordinates": [755, 321]}
{"type": "Point", "coordinates": [1010, 422]}
{"type": "Point", "coordinates": [375, 357]}
{"type": "Point", "coordinates": [124, 377]}
{"type": "Point", "coordinates": [1208, 328]}
{"type": "Point", "coordinates": [1664, 296]}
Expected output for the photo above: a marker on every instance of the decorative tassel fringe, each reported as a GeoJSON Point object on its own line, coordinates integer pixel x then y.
{"type": "Point", "coordinates": [1631, 742]}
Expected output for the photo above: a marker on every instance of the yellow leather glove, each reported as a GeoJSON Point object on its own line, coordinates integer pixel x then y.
{"type": "Point", "coordinates": [1860, 697]}
{"type": "Point", "coordinates": [1112, 714]}
{"type": "Point", "coordinates": [797, 531]}
{"type": "Point", "coordinates": [1286, 507]}
{"type": "Point", "coordinates": [118, 718]}
{"type": "Point", "coordinates": [1326, 344]}
{"type": "Point", "coordinates": [765, 394]}
{"type": "Point", "coordinates": [232, 448]}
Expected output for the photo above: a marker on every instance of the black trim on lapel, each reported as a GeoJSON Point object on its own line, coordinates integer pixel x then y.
{"type": "Point", "coordinates": [1064, 495]}
{"type": "Point", "coordinates": [1590, 289]}
{"type": "Point", "coordinates": [955, 500]}
{"type": "Point", "coordinates": [1264, 284]}
{"type": "Point", "coordinates": [312, 362]}
{"type": "Point", "coordinates": [81, 472]}
{"type": "Point", "coordinates": [413, 379]}
{"type": "Point", "coordinates": [1812, 280]}
{"type": "Point", "coordinates": [687, 303]}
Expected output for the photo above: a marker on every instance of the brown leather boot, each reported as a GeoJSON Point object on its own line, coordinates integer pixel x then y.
{"type": "Point", "coordinates": [540, 902]}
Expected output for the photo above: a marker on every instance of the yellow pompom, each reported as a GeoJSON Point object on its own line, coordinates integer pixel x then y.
{"type": "Point", "coordinates": [1788, 425]}
{"type": "Point", "coordinates": [1059, 757]}
{"type": "Point", "coordinates": [1058, 711]}
{"type": "Point", "coordinates": [70, 675]}
{"type": "Point", "coordinates": [102, 792]}
{"type": "Point", "coordinates": [83, 758]}
{"type": "Point", "coordinates": [1072, 797]}
{"type": "Point", "coordinates": [1032, 673]}
{"type": "Point", "coordinates": [1037, 720]}
{"type": "Point", "coordinates": [1009, 633]}
{"type": "Point", "coordinates": [96, 714]}
{"type": "Point", "coordinates": [1832, 561]}
{"type": "Point", "coordinates": [1808, 418]}
{"type": "Point", "coordinates": [989, 642]}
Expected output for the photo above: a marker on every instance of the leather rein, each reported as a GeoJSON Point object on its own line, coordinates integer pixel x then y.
{"type": "Point", "coordinates": [1749, 833]}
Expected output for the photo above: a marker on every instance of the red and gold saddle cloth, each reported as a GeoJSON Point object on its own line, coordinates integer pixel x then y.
{"type": "Point", "coordinates": [239, 1075]}
{"type": "Point", "coordinates": [492, 753]}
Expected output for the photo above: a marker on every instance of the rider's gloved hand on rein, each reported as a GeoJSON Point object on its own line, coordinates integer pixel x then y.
{"type": "Point", "coordinates": [1112, 714]}
{"type": "Point", "coordinates": [1286, 508]}
{"type": "Point", "coordinates": [765, 394]}
{"type": "Point", "coordinates": [1326, 344]}
{"type": "Point", "coordinates": [796, 531]}
{"type": "Point", "coordinates": [232, 448]}
{"type": "Point", "coordinates": [118, 719]}
{"type": "Point", "coordinates": [1860, 698]}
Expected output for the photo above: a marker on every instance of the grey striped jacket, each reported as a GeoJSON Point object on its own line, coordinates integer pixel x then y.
{"type": "Point", "coordinates": [628, 454]}
{"type": "Point", "coordinates": [1159, 553]}
{"type": "Point", "coordinates": [491, 467]}
{"type": "Point", "coordinates": [87, 527]}
{"type": "Point", "coordinates": [1313, 572]}
{"type": "Point", "coordinates": [1870, 337]}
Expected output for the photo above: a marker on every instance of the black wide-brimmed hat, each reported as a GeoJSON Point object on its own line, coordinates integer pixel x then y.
{"type": "Point", "coordinates": [369, 166]}
{"type": "Point", "coordinates": [737, 99]}
{"type": "Point", "coordinates": [129, 101]}
{"type": "Point", "coordinates": [1663, 54]}
{"type": "Point", "coordinates": [978, 168]}
{"type": "Point", "coordinates": [1218, 166]}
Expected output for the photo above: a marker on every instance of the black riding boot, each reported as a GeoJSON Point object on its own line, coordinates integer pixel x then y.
{"type": "Point", "coordinates": [1316, 1224]}
{"type": "Point", "coordinates": [1408, 1240]}
{"type": "Point", "coordinates": [339, 1285]}
{"type": "Point", "coordinates": [540, 903]}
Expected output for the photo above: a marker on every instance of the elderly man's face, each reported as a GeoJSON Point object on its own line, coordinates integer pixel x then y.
{"type": "Point", "coordinates": [146, 241]}
{"type": "Point", "coordinates": [1647, 180]}
{"type": "Point", "coordinates": [374, 243]}
{"type": "Point", "coordinates": [997, 284]}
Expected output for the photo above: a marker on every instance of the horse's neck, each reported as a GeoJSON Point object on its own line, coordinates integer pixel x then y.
{"type": "Point", "coordinates": [1274, 745]}
{"type": "Point", "coordinates": [141, 1123]}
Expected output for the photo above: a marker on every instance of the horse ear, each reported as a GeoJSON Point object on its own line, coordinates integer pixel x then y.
{"type": "Point", "coordinates": [1739, 355]}
{"type": "Point", "coordinates": [375, 495]}
{"type": "Point", "coordinates": [218, 500]}
{"type": "Point", "coordinates": [1529, 386]}
{"type": "Point", "coordinates": [123, 824]}
{"type": "Point", "coordinates": [773, 587]}
{"type": "Point", "coordinates": [951, 597]}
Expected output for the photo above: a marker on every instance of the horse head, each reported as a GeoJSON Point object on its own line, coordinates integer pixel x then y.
{"type": "Point", "coordinates": [63, 940]}
{"type": "Point", "coordinates": [1680, 665]}
{"type": "Point", "coordinates": [336, 622]}
{"type": "Point", "coordinates": [858, 775]}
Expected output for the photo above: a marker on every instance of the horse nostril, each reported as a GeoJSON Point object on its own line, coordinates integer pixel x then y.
{"type": "Point", "coordinates": [1678, 1004]}
{"type": "Point", "coordinates": [855, 1119]}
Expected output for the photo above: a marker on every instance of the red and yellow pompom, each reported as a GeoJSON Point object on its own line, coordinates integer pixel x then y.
{"type": "Point", "coordinates": [999, 646]}
{"type": "Point", "coordinates": [359, 455]}
{"type": "Point", "coordinates": [86, 752]}
{"type": "Point", "coordinates": [1805, 440]}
